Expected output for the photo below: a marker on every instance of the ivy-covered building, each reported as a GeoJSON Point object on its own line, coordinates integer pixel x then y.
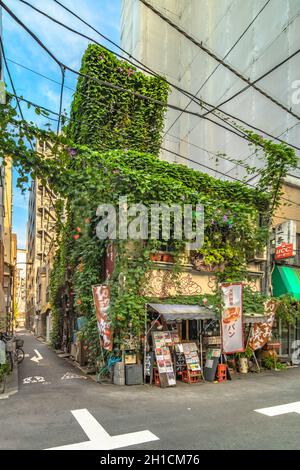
{"type": "Point", "coordinates": [116, 123]}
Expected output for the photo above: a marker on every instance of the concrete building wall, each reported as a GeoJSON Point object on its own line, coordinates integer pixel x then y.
{"type": "Point", "coordinates": [2, 295]}
{"type": "Point", "coordinates": [8, 245]}
{"type": "Point", "coordinates": [21, 286]}
{"type": "Point", "coordinates": [273, 36]}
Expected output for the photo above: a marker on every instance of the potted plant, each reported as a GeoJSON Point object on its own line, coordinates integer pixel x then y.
{"type": "Point", "coordinates": [243, 358]}
{"type": "Point", "coordinates": [167, 258]}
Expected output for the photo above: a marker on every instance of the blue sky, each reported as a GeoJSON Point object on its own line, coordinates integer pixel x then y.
{"type": "Point", "coordinates": [68, 47]}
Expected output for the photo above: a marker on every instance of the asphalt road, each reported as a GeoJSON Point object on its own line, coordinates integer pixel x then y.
{"type": "Point", "coordinates": [201, 416]}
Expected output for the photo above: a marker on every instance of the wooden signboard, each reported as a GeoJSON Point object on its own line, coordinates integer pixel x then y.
{"type": "Point", "coordinates": [149, 361]}
{"type": "Point", "coordinates": [190, 352]}
{"type": "Point", "coordinates": [211, 364]}
{"type": "Point", "coordinates": [179, 361]}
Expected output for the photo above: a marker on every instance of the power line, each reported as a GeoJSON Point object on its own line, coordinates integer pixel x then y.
{"type": "Point", "coordinates": [216, 154]}
{"type": "Point", "coordinates": [116, 87]}
{"type": "Point", "coordinates": [225, 64]}
{"type": "Point", "coordinates": [145, 68]}
{"type": "Point", "coordinates": [110, 85]}
{"type": "Point", "coordinates": [63, 73]}
{"type": "Point", "coordinates": [233, 117]}
{"type": "Point", "coordinates": [38, 73]}
{"type": "Point", "coordinates": [289, 110]}
{"type": "Point", "coordinates": [201, 164]}
{"type": "Point", "coordinates": [13, 86]}
{"type": "Point", "coordinates": [286, 130]}
{"type": "Point", "coordinates": [216, 68]}
{"type": "Point", "coordinates": [224, 174]}
{"type": "Point", "coordinates": [167, 150]}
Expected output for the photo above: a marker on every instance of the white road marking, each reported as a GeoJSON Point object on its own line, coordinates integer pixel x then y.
{"type": "Point", "coordinates": [99, 439]}
{"type": "Point", "coordinates": [280, 409]}
{"type": "Point", "coordinates": [26, 355]}
{"type": "Point", "coordinates": [71, 375]}
{"type": "Point", "coordinates": [38, 356]}
{"type": "Point", "coordinates": [33, 380]}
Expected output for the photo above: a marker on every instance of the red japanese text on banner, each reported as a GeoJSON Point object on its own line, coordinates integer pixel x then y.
{"type": "Point", "coordinates": [232, 318]}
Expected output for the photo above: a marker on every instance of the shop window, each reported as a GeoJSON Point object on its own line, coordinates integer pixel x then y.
{"type": "Point", "coordinates": [189, 330]}
{"type": "Point", "coordinates": [287, 335]}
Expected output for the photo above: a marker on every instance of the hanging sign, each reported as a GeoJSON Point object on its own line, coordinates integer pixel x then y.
{"type": "Point", "coordinates": [232, 318]}
{"type": "Point", "coordinates": [285, 240]}
{"type": "Point", "coordinates": [101, 296]}
{"type": "Point", "coordinates": [285, 250]}
{"type": "Point", "coordinates": [261, 332]}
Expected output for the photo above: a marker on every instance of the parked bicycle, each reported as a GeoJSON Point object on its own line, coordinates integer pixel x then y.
{"type": "Point", "coordinates": [14, 354]}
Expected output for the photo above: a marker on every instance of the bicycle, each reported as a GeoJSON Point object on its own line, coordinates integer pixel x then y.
{"type": "Point", "coordinates": [13, 354]}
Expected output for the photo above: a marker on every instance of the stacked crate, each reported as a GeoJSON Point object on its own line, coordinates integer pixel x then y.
{"type": "Point", "coordinates": [119, 373]}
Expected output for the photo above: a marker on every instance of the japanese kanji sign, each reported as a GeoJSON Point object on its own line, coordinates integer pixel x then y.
{"type": "Point", "coordinates": [232, 318]}
{"type": "Point", "coordinates": [101, 295]}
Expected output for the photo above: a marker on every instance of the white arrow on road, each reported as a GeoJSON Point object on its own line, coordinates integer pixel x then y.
{"type": "Point", "coordinates": [280, 409]}
{"type": "Point", "coordinates": [38, 357]}
{"type": "Point", "coordinates": [99, 439]}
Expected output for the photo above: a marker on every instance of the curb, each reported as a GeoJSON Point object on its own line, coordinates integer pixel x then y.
{"type": "Point", "coordinates": [11, 384]}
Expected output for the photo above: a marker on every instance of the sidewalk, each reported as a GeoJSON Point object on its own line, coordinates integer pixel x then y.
{"type": "Point", "coordinates": [11, 386]}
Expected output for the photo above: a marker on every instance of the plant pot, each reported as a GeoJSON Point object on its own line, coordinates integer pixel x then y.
{"type": "Point", "coordinates": [154, 256]}
{"type": "Point", "coordinates": [243, 365]}
{"type": "Point", "coordinates": [166, 258]}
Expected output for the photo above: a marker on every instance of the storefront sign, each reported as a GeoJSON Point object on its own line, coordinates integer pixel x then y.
{"type": "Point", "coordinates": [232, 318]}
{"type": "Point", "coordinates": [285, 240]}
{"type": "Point", "coordinates": [102, 300]}
{"type": "Point", "coordinates": [285, 250]}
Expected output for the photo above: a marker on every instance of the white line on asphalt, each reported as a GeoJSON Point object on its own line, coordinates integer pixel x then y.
{"type": "Point", "coordinates": [280, 409]}
{"type": "Point", "coordinates": [99, 439]}
{"type": "Point", "coordinates": [33, 380]}
{"type": "Point", "coordinates": [38, 356]}
{"type": "Point", "coordinates": [71, 375]}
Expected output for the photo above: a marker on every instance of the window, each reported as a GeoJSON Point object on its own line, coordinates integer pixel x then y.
{"type": "Point", "coordinates": [189, 330]}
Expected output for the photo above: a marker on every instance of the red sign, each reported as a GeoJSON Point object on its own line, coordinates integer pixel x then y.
{"type": "Point", "coordinates": [102, 300]}
{"type": "Point", "coordinates": [285, 250]}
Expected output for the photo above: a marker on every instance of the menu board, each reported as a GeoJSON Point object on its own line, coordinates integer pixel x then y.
{"type": "Point", "coordinates": [165, 338]}
{"type": "Point", "coordinates": [162, 340]}
{"type": "Point", "coordinates": [211, 364]}
{"type": "Point", "coordinates": [190, 352]}
{"type": "Point", "coordinates": [149, 360]}
{"type": "Point", "coordinates": [179, 361]}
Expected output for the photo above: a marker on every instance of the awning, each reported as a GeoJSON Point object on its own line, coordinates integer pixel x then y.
{"type": "Point", "coordinates": [286, 280]}
{"type": "Point", "coordinates": [183, 312]}
{"type": "Point", "coordinates": [172, 312]}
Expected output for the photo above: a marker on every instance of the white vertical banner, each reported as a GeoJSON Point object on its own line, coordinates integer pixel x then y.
{"type": "Point", "coordinates": [232, 318]}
